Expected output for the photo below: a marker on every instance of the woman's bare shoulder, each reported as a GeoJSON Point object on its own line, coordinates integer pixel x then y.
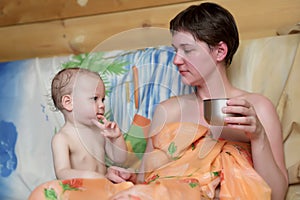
{"type": "Point", "coordinates": [258, 99]}
{"type": "Point", "coordinates": [178, 99]}
{"type": "Point", "coordinates": [171, 109]}
{"type": "Point", "coordinates": [263, 106]}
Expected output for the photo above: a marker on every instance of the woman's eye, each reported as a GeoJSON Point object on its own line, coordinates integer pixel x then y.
{"type": "Point", "coordinates": [187, 50]}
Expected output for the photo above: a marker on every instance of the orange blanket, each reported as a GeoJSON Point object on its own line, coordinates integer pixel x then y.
{"type": "Point", "coordinates": [198, 165]}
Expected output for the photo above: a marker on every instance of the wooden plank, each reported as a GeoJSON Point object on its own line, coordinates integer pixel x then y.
{"type": "Point", "coordinates": [27, 11]}
{"type": "Point", "coordinates": [263, 18]}
{"type": "Point", "coordinates": [118, 30]}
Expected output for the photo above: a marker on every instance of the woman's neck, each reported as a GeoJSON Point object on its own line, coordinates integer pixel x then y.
{"type": "Point", "coordinates": [215, 86]}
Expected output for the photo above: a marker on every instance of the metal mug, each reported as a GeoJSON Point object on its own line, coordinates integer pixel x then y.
{"type": "Point", "coordinates": [213, 111]}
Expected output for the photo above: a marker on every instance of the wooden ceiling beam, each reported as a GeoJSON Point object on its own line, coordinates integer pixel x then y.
{"type": "Point", "coordinates": [83, 34]}
{"type": "Point", "coordinates": [14, 12]}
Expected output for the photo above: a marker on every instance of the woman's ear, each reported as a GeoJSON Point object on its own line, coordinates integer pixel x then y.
{"type": "Point", "coordinates": [67, 102]}
{"type": "Point", "coordinates": [221, 50]}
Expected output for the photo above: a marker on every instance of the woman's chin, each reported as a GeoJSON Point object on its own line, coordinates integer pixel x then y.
{"type": "Point", "coordinates": [187, 82]}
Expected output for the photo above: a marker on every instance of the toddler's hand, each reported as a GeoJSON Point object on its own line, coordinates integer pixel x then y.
{"type": "Point", "coordinates": [108, 129]}
{"type": "Point", "coordinates": [118, 174]}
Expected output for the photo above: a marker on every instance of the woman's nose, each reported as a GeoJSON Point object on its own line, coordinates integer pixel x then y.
{"type": "Point", "coordinates": [177, 59]}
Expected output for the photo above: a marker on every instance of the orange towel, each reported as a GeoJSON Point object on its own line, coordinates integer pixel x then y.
{"type": "Point", "coordinates": [226, 163]}
{"type": "Point", "coordinates": [198, 165]}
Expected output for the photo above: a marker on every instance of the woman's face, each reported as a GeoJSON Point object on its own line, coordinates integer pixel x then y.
{"type": "Point", "coordinates": [194, 59]}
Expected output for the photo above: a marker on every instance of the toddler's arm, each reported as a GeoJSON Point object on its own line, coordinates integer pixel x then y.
{"type": "Point", "coordinates": [115, 145]}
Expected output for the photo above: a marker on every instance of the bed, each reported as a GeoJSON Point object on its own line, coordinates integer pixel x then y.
{"type": "Point", "coordinates": [136, 80]}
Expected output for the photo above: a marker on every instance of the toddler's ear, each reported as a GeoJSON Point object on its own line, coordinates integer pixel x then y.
{"type": "Point", "coordinates": [67, 102]}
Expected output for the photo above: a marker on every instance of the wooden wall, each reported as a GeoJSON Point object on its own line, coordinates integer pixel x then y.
{"type": "Point", "coordinates": [42, 28]}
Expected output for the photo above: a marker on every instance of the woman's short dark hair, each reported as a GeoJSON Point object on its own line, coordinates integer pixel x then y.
{"type": "Point", "coordinates": [210, 23]}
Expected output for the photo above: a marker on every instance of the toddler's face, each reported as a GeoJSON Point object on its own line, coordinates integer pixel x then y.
{"type": "Point", "coordinates": [88, 98]}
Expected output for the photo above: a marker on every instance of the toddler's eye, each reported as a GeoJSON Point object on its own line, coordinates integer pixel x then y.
{"type": "Point", "coordinates": [103, 99]}
{"type": "Point", "coordinates": [95, 98]}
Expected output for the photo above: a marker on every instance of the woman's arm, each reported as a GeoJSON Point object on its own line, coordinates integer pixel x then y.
{"type": "Point", "coordinates": [267, 150]}
{"type": "Point", "coordinates": [262, 126]}
{"type": "Point", "coordinates": [148, 164]}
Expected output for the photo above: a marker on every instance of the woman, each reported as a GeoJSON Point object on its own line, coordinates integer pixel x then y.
{"type": "Point", "coordinates": [205, 38]}
{"type": "Point", "coordinates": [186, 158]}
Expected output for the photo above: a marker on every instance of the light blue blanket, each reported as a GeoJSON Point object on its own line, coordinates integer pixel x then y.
{"type": "Point", "coordinates": [136, 82]}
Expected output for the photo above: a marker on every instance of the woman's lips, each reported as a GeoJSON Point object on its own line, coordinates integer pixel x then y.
{"type": "Point", "coordinates": [183, 72]}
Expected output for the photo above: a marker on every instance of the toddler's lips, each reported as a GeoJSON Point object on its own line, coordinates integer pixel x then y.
{"type": "Point", "coordinates": [99, 115]}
